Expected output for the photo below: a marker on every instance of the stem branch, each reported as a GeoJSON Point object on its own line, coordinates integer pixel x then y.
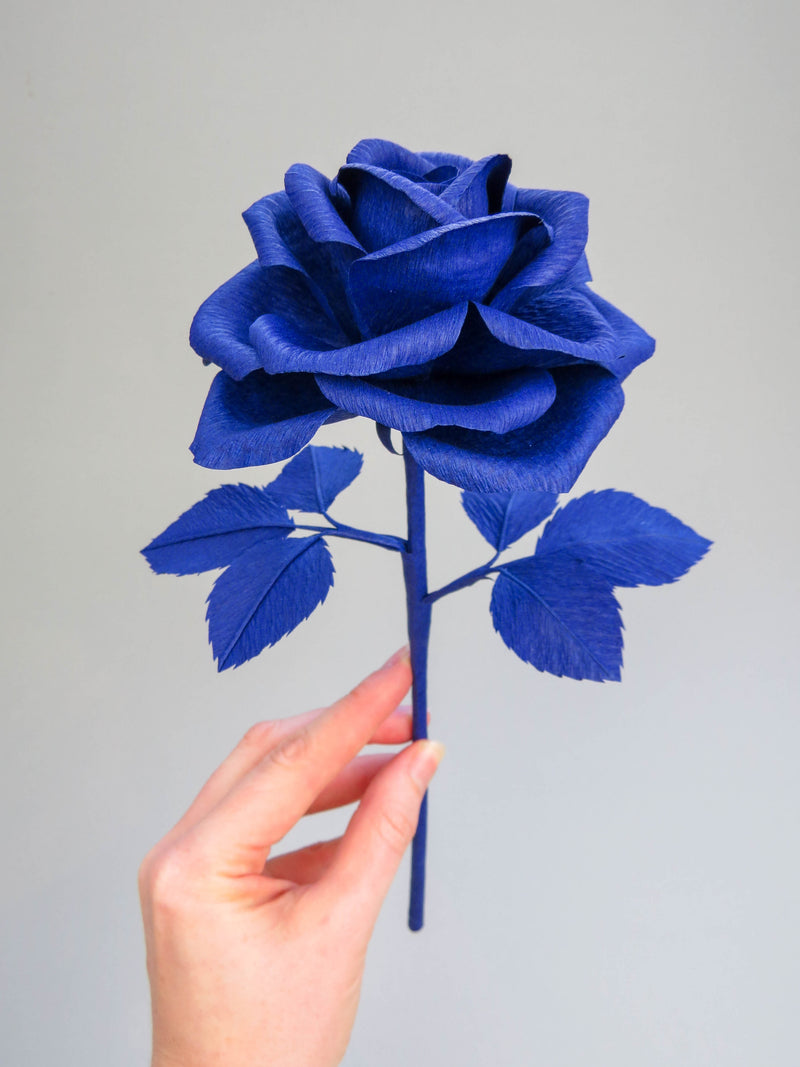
{"type": "Point", "coordinates": [396, 544]}
{"type": "Point", "coordinates": [462, 582]}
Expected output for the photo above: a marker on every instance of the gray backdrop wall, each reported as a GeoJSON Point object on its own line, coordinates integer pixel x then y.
{"type": "Point", "coordinates": [613, 874]}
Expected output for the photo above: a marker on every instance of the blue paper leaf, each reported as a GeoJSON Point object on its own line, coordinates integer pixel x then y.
{"type": "Point", "coordinates": [622, 538]}
{"type": "Point", "coordinates": [560, 616]}
{"type": "Point", "coordinates": [314, 478]}
{"type": "Point", "coordinates": [264, 594]}
{"type": "Point", "coordinates": [503, 518]}
{"type": "Point", "coordinates": [216, 530]}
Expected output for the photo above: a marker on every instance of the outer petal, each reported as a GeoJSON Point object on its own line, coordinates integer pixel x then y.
{"type": "Point", "coordinates": [387, 207]}
{"type": "Point", "coordinates": [565, 326]}
{"type": "Point", "coordinates": [633, 343]}
{"type": "Point", "coordinates": [478, 352]}
{"type": "Point", "coordinates": [433, 270]}
{"type": "Point", "coordinates": [567, 216]}
{"type": "Point", "coordinates": [219, 330]}
{"type": "Point", "coordinates": [275, 229]}
{"type": "Point", "coordinates": [547, 455]}
{"type": "Point", "coordinates": [499, 403]}
{"type": "Point", "coordinates": [479, 189]}
{"type": "Point", "coordinates": [282, 241]}
{"type": "Point", "coordinates": [261, 419]}
{"type": "Point", "coordinates": [283, 346]}
{"type": "Point", "coordinates": [314, 199]}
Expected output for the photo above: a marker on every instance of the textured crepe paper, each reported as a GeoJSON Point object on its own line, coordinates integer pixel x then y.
{"type": "Point", "coordinates": [425, 292]}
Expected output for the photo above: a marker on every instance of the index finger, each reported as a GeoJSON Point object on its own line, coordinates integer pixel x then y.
{"type": "Point", "coordinates": [238, 833]}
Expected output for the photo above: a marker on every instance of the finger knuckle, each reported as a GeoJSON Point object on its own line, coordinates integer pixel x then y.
{"type": "Point", "coordinates": [396, 828]}
{"type": "Point", "coordinates": [145, 873]}
{"type": "Point", "coordinates": [293, 750]}
{"type": "Point", "coordinates": [163, 881]}
{"type": "Point", "coordinates": [258, 734]}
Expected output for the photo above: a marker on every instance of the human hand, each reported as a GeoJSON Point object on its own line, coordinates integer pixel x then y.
{"type": "Point", "coordinates": [257, 962]}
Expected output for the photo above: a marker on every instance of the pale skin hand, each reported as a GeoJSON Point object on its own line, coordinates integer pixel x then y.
{"type": "Point", "coordinates": [257, 962]}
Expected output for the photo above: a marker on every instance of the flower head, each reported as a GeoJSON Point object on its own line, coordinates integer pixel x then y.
{"type": "Point", "coordinates": [425, 292]}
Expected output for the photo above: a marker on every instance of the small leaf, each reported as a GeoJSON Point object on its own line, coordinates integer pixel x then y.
{"type": "Point", "coordinates": [314, 478]}
{"type": "Point", "coordinates": [622, 538]}
{"type": "Point", "coordinates": [503, 518]}
{"type": "Point", "coordinates": [264, 594]}
{"type": "Point", "coordinates": [213, 532]}
{"type": "Point", "coordinates": [560, 616]}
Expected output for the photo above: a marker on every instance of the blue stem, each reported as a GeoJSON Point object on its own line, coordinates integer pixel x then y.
{"type": "Point", "coordinates": [415, 573]}
{"type": "Point", "coordinates": [397, 544]}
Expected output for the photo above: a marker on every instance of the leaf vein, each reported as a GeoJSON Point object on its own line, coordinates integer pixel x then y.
{"type": "Point", "coordinates": [249, 618]}
{"type": "Point", "coordinates": [558, 619]}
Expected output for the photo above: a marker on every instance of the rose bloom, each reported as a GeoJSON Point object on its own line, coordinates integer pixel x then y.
{"type": "Point", "coordinates": [425, 292]}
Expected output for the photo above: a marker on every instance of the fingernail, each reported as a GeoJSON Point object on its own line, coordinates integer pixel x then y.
{"type": "Point", "coordinates": [427, 758]}
{"type": "Point", "coordinates": [400, 654]}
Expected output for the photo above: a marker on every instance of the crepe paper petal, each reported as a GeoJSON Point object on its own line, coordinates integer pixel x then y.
{"type": "Point", "coordinates": [634, 345]}
{"type": "Point", "coordinates": [219, 330]}
{"type": "Point", "coordinates": [479, 189]}
{"type": "Point", "coordinates": [433, 270]}
{"type": "Point", "coordinates": [509, 196]}
{"type": "Point", "coordinates": [559, 616]}
{"type": "Point", "coordinates": [546, 456]}
{"type": "Point", "coordinates": [274, 227]}
{"type": "Point", "coordinates": [567, 216]}
{"type": "Point", "coordinates": [283, 346]}
{"type": "Point", "coordinates": [477, 351]}
{"type": "Point", "coordinates": [261, 419]}
{"type": "Point", "coordinates": [281, 241]}
{"type": "Point", "coordinates": [527, 249]}
{"type": "Point", "coordinates": [448, 160]}
{"type": "Point", "coordinates": [375, 152]}
{"type": "Point", "coordinates": [500, 403]}
{"type": "Point", "coordinates": [578, 275]}
{"type": "Point", "coordinates": [387, 207]}
{"type": "Point", "coordinates": [313, 480]}
{"type": "Point", "coordinates": [503, 518]}
{"type": "Point", "coordinates": [622, 538]}
{"type": "Point", "coordinates": [439, 178]}
{"type": "Point", "coordinates": [264, 594]}
{"type": "Point", "coordinates": [509, 298]}
{"type": "Point", "coordinates": [213, 532]}
{"type": "Point", "coordinates": [584, 335]}
{"type": "Point", "coordinates": [570, 315]}
{"type": "Point", "coordinates": [421, 166]}
{"type": "Point", "coordinates": [313, 197]}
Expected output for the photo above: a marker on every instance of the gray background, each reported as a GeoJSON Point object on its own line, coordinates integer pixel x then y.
{"type": "Point", "coordinates": [613, 874]}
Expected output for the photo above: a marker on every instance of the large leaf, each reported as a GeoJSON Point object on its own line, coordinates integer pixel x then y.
{"type": "Point", "coordinates": [622, 538]}
{"type": "Point", "coordinates": [314, 478]}
{"type": "Point", "coordinates": [560, 616]}
{"type": "Point", "coordinates": [216, 530]}
{"type": "Point", "coordinates": [264, 594]}
{"type": "Point", "coordinates": [503, 518]}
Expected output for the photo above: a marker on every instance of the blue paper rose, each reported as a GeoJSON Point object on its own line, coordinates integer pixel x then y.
{"type": "Point", "coordinates": [424, 291]}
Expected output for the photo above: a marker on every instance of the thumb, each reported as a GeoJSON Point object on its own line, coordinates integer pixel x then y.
{"type": "Point", "coordinates": [380, 831]}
